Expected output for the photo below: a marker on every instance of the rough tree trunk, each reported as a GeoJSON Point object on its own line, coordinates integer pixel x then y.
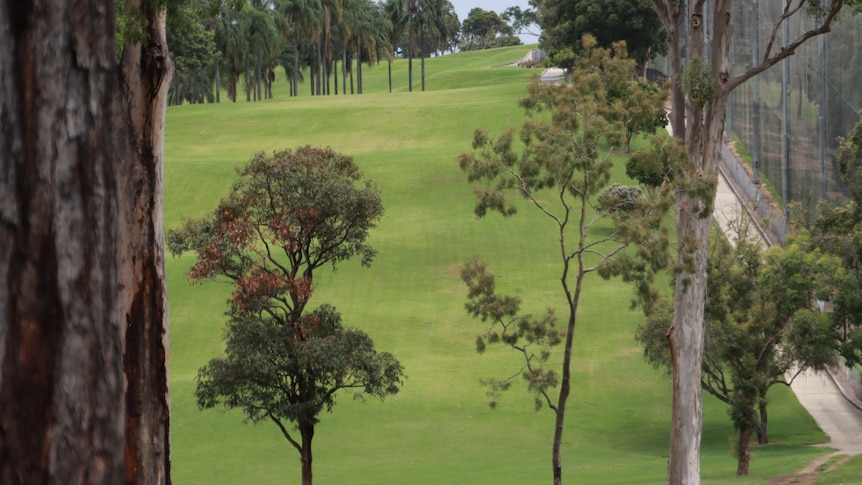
{"type": "Point", "coordinates": [61, 380]}
{"type": "Point", "coordinates": [744, 450]}
{"type": "Point", "coordinates": [145, 72]}
{"type": "Point", "coordinates": [307, 433]}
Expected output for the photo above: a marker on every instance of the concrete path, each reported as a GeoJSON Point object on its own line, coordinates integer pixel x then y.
{"type": "Point", "coordinates": [835, 415]}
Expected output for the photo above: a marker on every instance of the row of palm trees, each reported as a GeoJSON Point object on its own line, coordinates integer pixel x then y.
{"type": "Point", "coordinates": [327, 40]}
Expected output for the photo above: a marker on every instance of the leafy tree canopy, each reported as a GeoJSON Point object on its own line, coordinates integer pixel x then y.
{"type": "Point", "coordinates": [564, 22]}
{"type": "Point", "coordinates": [286, 216]}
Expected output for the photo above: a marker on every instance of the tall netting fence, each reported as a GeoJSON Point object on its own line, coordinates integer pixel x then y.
{"type": "Point", "coordinates": [788, 119]}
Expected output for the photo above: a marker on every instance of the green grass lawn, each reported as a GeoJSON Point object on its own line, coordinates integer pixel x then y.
{"type": "Point", "coordinates": [439, 429]}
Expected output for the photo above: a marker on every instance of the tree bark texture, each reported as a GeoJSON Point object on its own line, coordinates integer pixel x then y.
{"type": "Point", "coordinates": [306, 431]}
{"type": "Point", "coordinates": [701, 131]}
{"type": "Point", "coordinates": [744, 450]}
{"type": "Point", "coordinates": [145, 72]}
{"type": "Point", "coordinates": [61, 383]}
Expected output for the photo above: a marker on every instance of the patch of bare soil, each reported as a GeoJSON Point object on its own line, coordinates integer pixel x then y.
{"type": "Point", "coordinates": [818, 467]}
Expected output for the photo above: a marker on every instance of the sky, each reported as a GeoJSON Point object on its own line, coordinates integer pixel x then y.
{"type": "Point", "coordinates": [463, 7]}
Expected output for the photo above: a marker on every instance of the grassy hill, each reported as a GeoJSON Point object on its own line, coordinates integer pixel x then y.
{"type": "Point", "coordinates": [439, 429]}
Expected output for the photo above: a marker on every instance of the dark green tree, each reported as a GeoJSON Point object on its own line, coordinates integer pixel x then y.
{"type": "Point", "coordinates": [192, 50]}
{"type": "Point", "coordinates": [481, 27]}
{"type": "Point", "coordinates": [523, 21]}
{"type": "Point", "coordinates": [837, 229]}
{"type": "Point", "coordinates": [763, 323]}
{"type": "Point", "coordinates": [562, 171]}
{"type": "Point", "coordinates": [564, 22]}
{"type": "Point", "coordinates": [287, 216]}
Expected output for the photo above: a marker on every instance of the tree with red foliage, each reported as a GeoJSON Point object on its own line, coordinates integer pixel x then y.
{"type": "Point", "coordinates": [288, 215]}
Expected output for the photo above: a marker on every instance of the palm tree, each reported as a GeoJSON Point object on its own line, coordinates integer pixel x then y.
{"type": "Point", "coordinates": [261, 42]}
{"type": "Point", "coordinates": [214, 11]}
{"type": "Point", "coordinates": [397, 15]}
{"type": "Point", "coordinates": [231, 44]}
{"type": "Point", "coordinates": [303, 18]}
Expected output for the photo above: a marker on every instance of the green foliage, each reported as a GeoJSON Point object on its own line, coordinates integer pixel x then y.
{"type": "Point", "coordinates": [619, 198]}
{"type": "Point", "coordinates": [131, 26]}
{"type": "Point", "coordinates": [837, 230]}
{"type": "Point", "coordinates": [762, 323]}
{"type": "Point", "coordinates": [564, 166]}
{"type": "Point", "coordinates": [645, 104]}
{"type": "Point", "coordinates": [633, 22]}
{"type": "Point", "coordinates": [290, 373]}
{"type": "Point", "coordinates": [481, 28]}
{"type": "Point", "coordinates": [411, 303]}
{"type": "Point", "coordinates": [659, 165]}
{"type": "Point", "coordinates": [286, 216]}
{"type": "Point", "coordinates": [192, 50]}
{"type": "Point", "coordinates": [697, 81]}
{"type": "Point", "coordinates": [532, 337]}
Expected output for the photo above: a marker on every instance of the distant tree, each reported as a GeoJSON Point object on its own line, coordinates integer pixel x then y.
{"type": "Point", "coordinates": [564, 22]}
{"type": "Point", "coordinates": [522, 21]}
{"type": "Point", "coordinates": [192, 50]}
{"type": "Point", "coordinates": [837, 229]}
{"type": "Point", "coordinates": [481, 27]}
{"type": "Point", "coordinates": [287, 216]}
{"type": "Point", "coordinates": [763, 324]}
{"type": "Point", "coordinates": [561, 171]}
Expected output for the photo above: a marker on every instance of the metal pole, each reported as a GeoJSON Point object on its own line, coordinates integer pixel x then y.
{"type": "Point", "coordinates": [821, 48]}
{"type": "Point", "coordinates": [755, 98]}
{"type": "Point", "coordinates": [785, 123]}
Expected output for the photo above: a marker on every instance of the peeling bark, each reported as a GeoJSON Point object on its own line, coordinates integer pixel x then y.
{"type": "Point", "coordinates": [61, 383]}
{"type": "Point", "coordinates": [145, 72]}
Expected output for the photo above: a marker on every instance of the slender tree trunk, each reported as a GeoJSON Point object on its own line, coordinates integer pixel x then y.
{"type": "Point", "coordinates": [335, 75]}
{"type": "Point", "coordinates": [359, 65]}
{"type": "Point", "coordinates": [744, 449]}
{"type": "Point", "coordinates": [145, 73]}
{"type": "Point", "coordinates": [390, 75]}
{"type": "Point", "coordinates": [295, 77]}
{"type": "Point", "coordinates": [307, 433]}
{"type": "Point", "coordinates": [686, 337]}
{"type": "Point", "coordinates": [410, 36]}
{"type": "Point", "coordinates": [61, 378]}
{"type": "Point", "coordinates": [422, 56]}
{"type": "Point", "coordinates": [217, 82]}
{"type": "Point", "coordinates": [232, 80]}
{"type": "Point", "coordinates": [319, 65]}
{"type": "Point", "coordinates": [259, 79]}
{"type": "Point", "coordinates": [247, 73]}
{"type": "Point", "coordinates": [760, 427]}
{"type": "Point", "coordinates": [344, 69]}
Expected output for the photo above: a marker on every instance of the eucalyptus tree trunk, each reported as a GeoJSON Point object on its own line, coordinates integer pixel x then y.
{"type": "Point", "coordinates": [306, 431]}
{"type": "Point", "coordinates": [61, 379]}
{"type": "Point", "coordinates": [145, 72]}
{"type": "Point", "coordinates": [697, 116]}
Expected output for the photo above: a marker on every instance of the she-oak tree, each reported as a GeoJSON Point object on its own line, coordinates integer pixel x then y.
{"type": "Point", "coordinates": [287, 216]}
{"type": "Point", "coordinates": [563, 172]}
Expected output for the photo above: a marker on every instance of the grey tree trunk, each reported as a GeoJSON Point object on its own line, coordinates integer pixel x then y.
{"type": "Point", "coordinates": [697, 117]}
{"type": "Point", "coordinates": [145, 73]}
{"type": "Point", "coordinates": [61, 381]}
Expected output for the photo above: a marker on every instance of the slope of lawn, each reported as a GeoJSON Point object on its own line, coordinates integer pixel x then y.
{"type": "Point", "coordinates": [439, 429]}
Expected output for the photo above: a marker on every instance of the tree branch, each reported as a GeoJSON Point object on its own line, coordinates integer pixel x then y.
{"type": "Point", "coordinates": [790, 49]}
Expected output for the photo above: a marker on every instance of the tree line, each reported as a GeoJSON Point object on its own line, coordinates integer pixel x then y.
{"type": "Point", "coordinates": [243, 46]}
